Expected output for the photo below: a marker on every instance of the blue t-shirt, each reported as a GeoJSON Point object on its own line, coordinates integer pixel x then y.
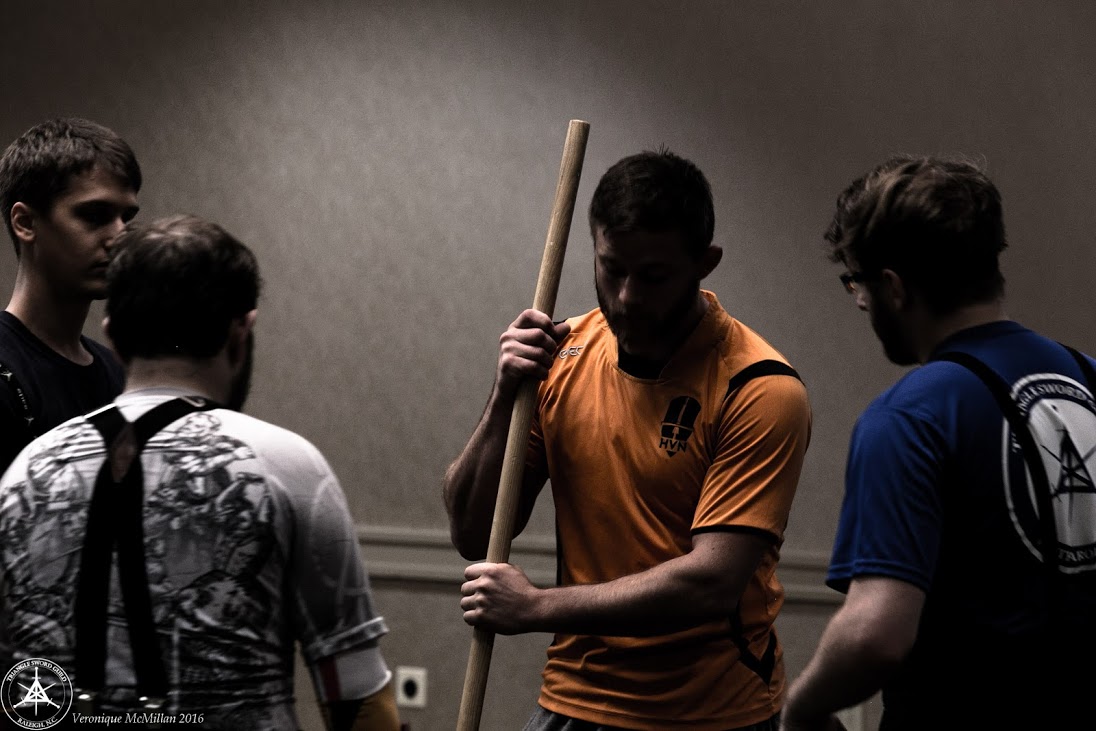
{"type": "Point", "coordinates": [937, 492]}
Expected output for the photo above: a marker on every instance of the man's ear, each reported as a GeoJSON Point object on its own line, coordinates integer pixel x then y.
{"type": "Point", "coordinates": [238, 333]}
{"type": "Point", "coordinates": [710, 259]}
{"type": "Point", "coordinates": [893, 290]}
{"type": "Point", "coordinates": [110, 340]}
{"type": "Point", "coordinates": [23, 221]}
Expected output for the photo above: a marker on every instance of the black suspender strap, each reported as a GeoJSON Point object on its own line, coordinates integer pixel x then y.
{"type": "Point", "coordinates": [1022, 434]}
{"type": "Point", "coordinates": [762, 666]}
{"type": "Point", "coordinates": [8, 376]}
{"type": "Point", "coordinates": [115, 522]}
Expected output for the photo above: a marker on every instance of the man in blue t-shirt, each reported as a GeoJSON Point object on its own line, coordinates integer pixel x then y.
{"type": "Point", "coordinates": [967, 537]}
{"type": "Point", "coordinates": [67, 187]}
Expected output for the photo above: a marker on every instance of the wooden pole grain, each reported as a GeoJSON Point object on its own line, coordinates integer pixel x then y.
{"type": "Point", "coordinates": [513, 461]}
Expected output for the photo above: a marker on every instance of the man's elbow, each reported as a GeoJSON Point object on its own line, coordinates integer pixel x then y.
{"type": "Point", "coordinates": [471, 548]}
{"type": "Point", "coordinates": [888, 649]}
{"type": "Point", "coordinates": [467, 536]}
{"type": "Point", "coordinates": [462, 535]}
{"type": "Point", "coordinates": [712, 599]}
{"type": "Point", "coordinates": [881, 645]}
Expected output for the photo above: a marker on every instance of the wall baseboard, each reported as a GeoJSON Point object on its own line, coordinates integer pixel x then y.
{"type": "Point", "coordinates": [425, 556]}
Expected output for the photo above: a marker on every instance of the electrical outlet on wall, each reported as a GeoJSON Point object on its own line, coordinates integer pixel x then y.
{"type": "Point", "coordinates": [410, 687]}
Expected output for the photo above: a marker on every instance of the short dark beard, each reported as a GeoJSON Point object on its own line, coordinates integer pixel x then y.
{"type": "Point", "coordinates": [889, 330]}
{"type": "Point", "coordinates": [670, 322]}
{"type": "Point", "coordinates": [241, 384]}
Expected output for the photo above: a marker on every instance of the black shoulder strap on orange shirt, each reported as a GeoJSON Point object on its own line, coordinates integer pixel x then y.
{"type": "Point", "coordinates": [762, 666]}
{"type": "Point", "coordinates": [115, 522]}
{"type": "Point", "coordinates": [758, 369]}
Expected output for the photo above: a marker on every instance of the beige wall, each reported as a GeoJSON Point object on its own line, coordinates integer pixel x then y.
{"type": "Point", "coordinates": [393, 164]}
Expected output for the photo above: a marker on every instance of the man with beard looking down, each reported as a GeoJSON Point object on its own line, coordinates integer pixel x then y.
{"type": "Point", "coordinates": [673, 437]}
{"type": "Point", "coordinates": [964, 546]}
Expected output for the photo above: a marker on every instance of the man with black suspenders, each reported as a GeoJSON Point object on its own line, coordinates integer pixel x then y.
{"type": "Point", "coordinates": [166, 551]}
{"type": "Point", "coordinates": [967, 537]}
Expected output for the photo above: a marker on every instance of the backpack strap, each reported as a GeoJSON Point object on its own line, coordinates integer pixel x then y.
{"type": "Point", "coordinates": [1084, 365]}
{"type": "Point", "coordinates": [115, 522]}
{"type": "Point", "coordinates": [7, 375]}
{"type": "Point", "coordinates": [1020, 431]}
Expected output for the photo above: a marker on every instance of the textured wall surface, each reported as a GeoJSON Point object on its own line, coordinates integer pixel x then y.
{"type": "Point", "coordinates": [393, 166]}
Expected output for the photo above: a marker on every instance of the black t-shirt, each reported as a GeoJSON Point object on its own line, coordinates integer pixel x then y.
{"type": "Point", "coordinates": [56, 389]}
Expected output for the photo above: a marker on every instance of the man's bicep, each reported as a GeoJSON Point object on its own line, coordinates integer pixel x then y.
{"type": "Point", "coordinates": [888, 610]}
{"type": "Point", "coordinates": [534, 474]}
{"type": "Point", "coordinates": [355, 672]}
{"type": "Point", "coordinates": [531, 485]}
{"type": "Point", "coordinates": [891, 517]}
{"type": "Point", "coordinates": [730, 556]}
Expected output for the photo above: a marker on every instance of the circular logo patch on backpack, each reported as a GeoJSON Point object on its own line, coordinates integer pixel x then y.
{"type": "Point", "coordinates": [1061, 415]}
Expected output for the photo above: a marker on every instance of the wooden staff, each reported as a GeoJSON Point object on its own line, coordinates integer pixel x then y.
{"type": "Point", "coordinates": [513, 461]}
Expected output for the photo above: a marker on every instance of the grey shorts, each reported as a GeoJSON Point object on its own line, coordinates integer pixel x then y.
{"type": "Point", "coordinates": [545, 720]}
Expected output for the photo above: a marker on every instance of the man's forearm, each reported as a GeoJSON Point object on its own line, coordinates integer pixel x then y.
{"type": "Point", "coordinates": [866, 641]}
{"type": "Point", "coordinates": [377, 712]}
{"type": "Point", "coordinates": [843, 672]}
{"type": "Point", "coordinates": [471, 482]}
{"type": "Point", "coordinates": [634, 606]}
{"type": "Point", "coordinates": [698, 587]}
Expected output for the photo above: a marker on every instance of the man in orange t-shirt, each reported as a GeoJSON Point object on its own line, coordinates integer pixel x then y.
{"type": "Point", "coordinates": [673, 437]}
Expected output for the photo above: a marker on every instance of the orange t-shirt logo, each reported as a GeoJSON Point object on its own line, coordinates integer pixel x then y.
{"type": "Point", "coordinates": [677, 425]}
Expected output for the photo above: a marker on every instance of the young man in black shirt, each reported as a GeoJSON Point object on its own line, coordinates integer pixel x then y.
{"type": "Point", "coordinates": [67, 187]}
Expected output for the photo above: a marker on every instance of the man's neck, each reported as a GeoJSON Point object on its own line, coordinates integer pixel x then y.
{"type": "Point", "coordinates": [939, 329]}
{"type": "Point", "coordinates": [56, 322]}
{"type": "Point", "coordinates": [203, 377]}
{"type": "Point", "coordinates": [651, 367]}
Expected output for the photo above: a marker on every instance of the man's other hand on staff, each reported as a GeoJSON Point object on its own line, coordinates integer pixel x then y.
{"type": "Point", "coordinates": [499, 598]}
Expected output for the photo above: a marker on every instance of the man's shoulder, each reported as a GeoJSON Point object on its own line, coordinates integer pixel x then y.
{"type": "Point", "coordinates": [219, 425]}
{"type": "Point", "coordinates": [14, 348]}
{"type": "Point", "coordinates": [72, 441]}
{"type": "Point", "coordinates": [267, 440]}
{"type": "Point", "coordinates": [589, 334]}
{"type": "Point", "coordinates": [923, 388]}
{"type": "Point", "coordinates": [742, 351]}
{"type": "Point", "coordinates": [587, 324]}
{"type": "Point", "coordinates": [1013, 352]}
{"type": "Point", "coordinates": [259, 430]}
{"type": "Point", "coordinates": [101, 352]}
